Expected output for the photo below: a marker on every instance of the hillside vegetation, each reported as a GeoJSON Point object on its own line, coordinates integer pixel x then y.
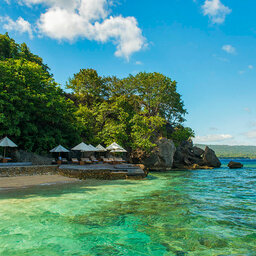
{"type": "Point", "coordinates": [226, 151]}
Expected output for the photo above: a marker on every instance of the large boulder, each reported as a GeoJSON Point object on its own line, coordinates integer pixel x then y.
{"type": "Point", "coordinates": [161, 158]}
{"type": "Point", "coordinates": [187, 155]}
{"type": "Point", "coordinates": [235, 165]}
{"type": "Point", "coordinates": [198, 152]}
{"type": "Point", "coordinates": [24, 156]}
{"type": "Point", "coordinates": [210, 159]}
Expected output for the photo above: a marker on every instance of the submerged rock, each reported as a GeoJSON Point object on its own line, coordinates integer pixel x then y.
{"type": "Point", "coordinates": [235, 165]}
{"type": "Point", "coordinates": [210, 158]}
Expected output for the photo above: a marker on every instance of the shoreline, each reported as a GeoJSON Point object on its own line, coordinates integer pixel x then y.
{"type": "Point", "coordinates": [7, 183]}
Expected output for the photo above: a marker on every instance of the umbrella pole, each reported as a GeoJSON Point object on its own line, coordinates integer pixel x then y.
{"type": "Point", "coordinates": [4, 151]}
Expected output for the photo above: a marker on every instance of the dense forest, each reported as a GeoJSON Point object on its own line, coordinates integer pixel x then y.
{"type": "Point", "coordinates": [38, 114]}
{"type": "Point", "coordinates": [226, 151]}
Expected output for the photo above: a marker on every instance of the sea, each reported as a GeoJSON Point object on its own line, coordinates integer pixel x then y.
{"type": "Point", "coordinates": [182, 213]}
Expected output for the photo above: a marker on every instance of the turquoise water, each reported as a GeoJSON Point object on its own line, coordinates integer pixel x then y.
{"type": "Point", "coordinates": [207, 212]}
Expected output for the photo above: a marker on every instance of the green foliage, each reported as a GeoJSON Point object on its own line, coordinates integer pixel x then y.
{"type": "Point", "coordinates": [10, 50]}
{"type": "Point", "coordinates": [181, 134]}
{"type": "Point", "coordinates": [33, 109]}
{"type": "Point", "coordinates": [88, 86]}
{"type": "Point", "coordinates": [158, 95]}
{"type": "Point", "coordinates": [132, 111]}
{"type": "Point", "coordinates": [145, 131]}
{"type": "Point", "coordinates": [37, 114]}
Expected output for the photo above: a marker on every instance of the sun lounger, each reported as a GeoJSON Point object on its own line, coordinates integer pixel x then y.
{"type": "Point", "coordinates": [107, 160]}
{"type": "Point", "coordinates": [64, 161]}
{"type": "Point", "coordinates": [75, 161]}
{"type": "Point", "coordinates": [5, 160]}
{"type": "Point", "coordinates": [86, 160]}
{"type": "Point", "coordinates": [54, 161]}
{"type": "Point", "coordinates": [120, 160]}
{"type": "Point", "coordinates": [94, 160]}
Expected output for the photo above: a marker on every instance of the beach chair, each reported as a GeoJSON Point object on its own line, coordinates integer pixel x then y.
{"type": "Point", "coordinates": [94, 160]}
{"type": "Point", "coordinates": [64, 161]}
{"type": "Point", "coordinates": [107, 160]}
{"type": "Point", "coordinates": [112, 160]}
{"type": "Point", "coordinates": [6, 160]}
{"type": "Point", "coordinates": [119, 159]}
{"type": "Point", "coordinates": [54, 161]}
{"type": "Point", "coordinates": [75, 161]}
{"type": "Point", "coordinates": [86, 160]}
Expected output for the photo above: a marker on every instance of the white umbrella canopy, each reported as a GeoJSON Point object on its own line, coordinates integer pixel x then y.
{"type": "Point", "coordinates": [59, 149]}
{"type": "Point", "coordinates": [118, 151]}
{"type": "Point", "coordinates": [114, 147]}
{"type": "Point", "coordinates": [101, 148]}
{"type": "Point", "coordinates": [93, 149]}
{"type": "Point", "coordinates": [6, 142]}
{"type": "Point", "coordinates": [81, 147]}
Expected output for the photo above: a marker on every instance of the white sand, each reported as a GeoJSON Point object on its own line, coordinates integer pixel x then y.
{"type": "Point", "coordinates": [24, 181]}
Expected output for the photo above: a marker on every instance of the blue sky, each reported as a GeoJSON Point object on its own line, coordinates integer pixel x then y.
{"type": "Point", "coordinates": [207, 46]}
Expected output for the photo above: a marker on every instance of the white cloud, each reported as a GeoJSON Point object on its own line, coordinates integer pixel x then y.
{"type": "Point", "coordinates": [250, 66]}
{"type": "Point", "coordinates": [138, 62]}
{"type": "Point", "coordinates": [212, 138]}
{"type": "Point", "coordinates": [250, 134]}
{"type": "Point", "coordinates": [20, 25]}
{"type": "Point", "coordinates": [215, 10]}
{"type": "Point", "coordinates": [229, 48]}
{"type": "Point", "coordinates": [89, 19]}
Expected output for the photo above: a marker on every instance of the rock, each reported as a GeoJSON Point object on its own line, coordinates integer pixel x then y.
{"type": "Point", "coordinates": [235, 165]}
{"type": "Point", "coordinates": [210, 159]}
{"type": "Point", "coordinates": [198, 151]}
{"type": "Point", "coordinates": [161, 157]}
{"type": "Point", "coordinates": [187, 155]}
{"type": "Point", "coordinates": [24, 156]}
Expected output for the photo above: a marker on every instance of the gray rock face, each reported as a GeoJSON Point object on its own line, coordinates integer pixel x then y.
{"type": "Point", "coordinates": [188, 155]}
{"type": "Point", "coordinates": [235, 165]}
{"type": "Point", "coordinates": [161, 157]}
{"type": "Point", "coordinates": [197, 151]}
{"type": "Point", "coordinates": [210, 159]}
{"type": "Point", "coordinates": [23, 156]}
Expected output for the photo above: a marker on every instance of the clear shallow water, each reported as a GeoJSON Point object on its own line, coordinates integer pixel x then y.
{"type": "Point", "coordinates": [175, 213]}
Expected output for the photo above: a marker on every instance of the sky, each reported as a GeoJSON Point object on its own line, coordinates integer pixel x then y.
{"type": "Point", "coordinates": [207, 46]}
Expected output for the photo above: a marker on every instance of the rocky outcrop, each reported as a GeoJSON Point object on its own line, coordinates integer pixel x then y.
{"type": "Point", "coordinates": [235, 165]}
{"type": "Point", "coordinates": [210, 159]}
{"type": "Point", "coordinates": [165, 156]}
{"type": "Point", "coordinates": [188, 156]}
{"type": "Point", "coordinates": [161, 157]}
{"type": "Point", "coordinates": [24, 156]}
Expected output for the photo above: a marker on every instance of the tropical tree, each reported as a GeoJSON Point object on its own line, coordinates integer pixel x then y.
{"type": "Point", "coordinates": [33, 109]}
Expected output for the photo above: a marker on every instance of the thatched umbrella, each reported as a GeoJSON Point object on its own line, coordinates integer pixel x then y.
{"type": "Point", "coordinates": [93, 149]}
{"type": "Point", "coordinates": [81, 147]}
{"type": "Point", "coordinates": [59, 149]}
{"type": "Point", "coordinates": [5, 143]}
{"type": "Point", "coordinates": [114, 148]}
{"type": "Point", "coordinates": [101, 148]}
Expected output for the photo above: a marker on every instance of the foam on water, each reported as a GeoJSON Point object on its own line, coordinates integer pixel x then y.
{"type": "Point", "coordinates": [176, 213]}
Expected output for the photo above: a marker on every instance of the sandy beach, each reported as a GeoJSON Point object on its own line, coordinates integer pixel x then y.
{"type": "Point", "coordinates": [25, 181]}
